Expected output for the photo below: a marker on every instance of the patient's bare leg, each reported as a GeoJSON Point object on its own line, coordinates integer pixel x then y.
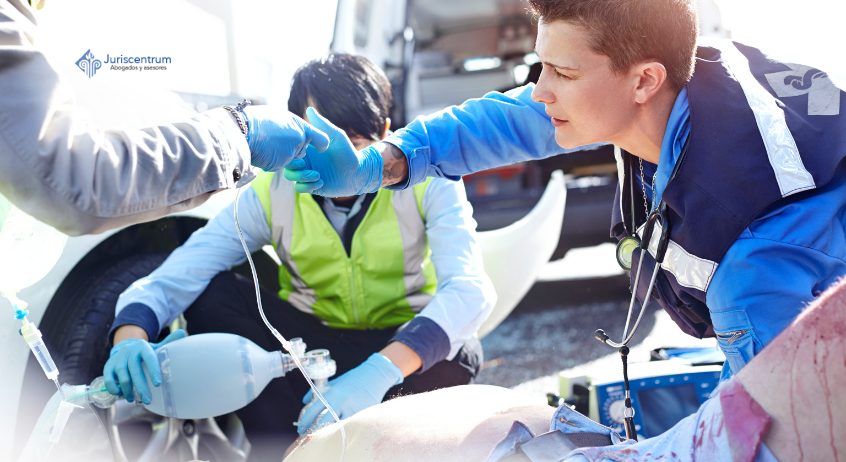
{"type": "Point", "coordinates": [800, 380]}
{"type": "Point", "coordinates": [452, 424]}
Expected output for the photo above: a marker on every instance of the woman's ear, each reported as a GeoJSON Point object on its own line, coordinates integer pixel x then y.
{"type": "Point", "coordinates": [651, 78]}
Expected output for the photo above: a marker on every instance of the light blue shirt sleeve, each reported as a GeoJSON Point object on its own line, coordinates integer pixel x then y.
{"type": "Point", "coordinates": [176, 284]}
{"type": "Point", "coordinates": [495, 130]}
{"type": "Point", "coordinates": [465, 295]}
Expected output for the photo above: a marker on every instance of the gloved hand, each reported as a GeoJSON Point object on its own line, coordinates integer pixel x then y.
{"type": "Point", "coordinates": [339, 171]}
{"type": "Point", "coordinates": [124, 370]}
{"type": "Point", "coordinates": [358, 389]}
{"type": "Point", "coordinates": [276, 136]}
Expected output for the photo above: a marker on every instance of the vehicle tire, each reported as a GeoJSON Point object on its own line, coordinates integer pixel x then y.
{"type": "Point", "coordinates": [80, 339]}
{"type": "Point", "coordinates": [75, 328]}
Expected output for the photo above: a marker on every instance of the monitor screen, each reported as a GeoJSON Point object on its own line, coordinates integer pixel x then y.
{"type": "Point", "coordinates": [663, 407]}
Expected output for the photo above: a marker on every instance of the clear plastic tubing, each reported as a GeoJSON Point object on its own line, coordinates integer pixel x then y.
{"type": "Point", "coordinates": [282, 340]}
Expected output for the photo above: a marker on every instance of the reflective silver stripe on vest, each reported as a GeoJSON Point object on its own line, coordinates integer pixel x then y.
{"type": "Point", "coordinates": [688, 269]}
{"type": "Point", "coordinates": [282, 224]}
{"type": "Point", "coordinates": [413, 232]}
{"type": "Point", "coordinates": [782, 151]}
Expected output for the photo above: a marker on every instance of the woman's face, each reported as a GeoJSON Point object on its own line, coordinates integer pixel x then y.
{"type": "Point", "coordinates": [587, 101]}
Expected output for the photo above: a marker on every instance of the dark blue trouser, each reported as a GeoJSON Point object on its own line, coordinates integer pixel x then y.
{"type": "Point", "coordinates": [229, 305]}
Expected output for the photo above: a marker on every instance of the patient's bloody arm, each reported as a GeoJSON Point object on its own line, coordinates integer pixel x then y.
{"type": "Point", "coordinates": [800, 378]}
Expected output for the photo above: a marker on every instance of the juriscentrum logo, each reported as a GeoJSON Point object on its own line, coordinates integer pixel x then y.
{"type": "Point", "coordinates": [88, 64]}
{"type": "Point", "coordinates": [120, 62]}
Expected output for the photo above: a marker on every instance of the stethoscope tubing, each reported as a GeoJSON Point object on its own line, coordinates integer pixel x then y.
{"type": "Point", "coordinates": [660, 252]}
{"type": "Point", "coordinates": [663, 243]}
{"type": "Point", "coordinates": [628, 338]}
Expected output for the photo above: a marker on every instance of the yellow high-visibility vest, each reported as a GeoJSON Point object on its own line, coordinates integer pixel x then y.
{"type": "Point", "coordinates": [388, 276]}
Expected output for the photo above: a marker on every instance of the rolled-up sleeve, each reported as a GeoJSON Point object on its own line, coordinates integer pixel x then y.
{"type": "Point", "coordinates": [82, 178]}
{"type": "Point", "coordinates": [495, 130]}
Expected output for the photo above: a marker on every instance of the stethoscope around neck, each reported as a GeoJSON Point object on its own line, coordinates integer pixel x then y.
{"type": "Point", "coordinates": [657, 216]}
{"type": "Point", "coordinates": [627, 246]}
{"type": "Point", "coordinates": [625, 255]}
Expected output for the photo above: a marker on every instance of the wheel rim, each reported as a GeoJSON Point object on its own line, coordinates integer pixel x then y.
{"type": "Point", "coordinates": [138, 434]}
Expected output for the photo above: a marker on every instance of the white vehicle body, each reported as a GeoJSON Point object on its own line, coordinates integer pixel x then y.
{"type": "Point", "coordinates": [18, 366]}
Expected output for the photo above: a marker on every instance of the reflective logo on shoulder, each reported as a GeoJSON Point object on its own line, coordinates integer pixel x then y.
{"type": "Point", "coordinates": [823, 96]}
{"type": "Point", "coordinates": [783, 154]}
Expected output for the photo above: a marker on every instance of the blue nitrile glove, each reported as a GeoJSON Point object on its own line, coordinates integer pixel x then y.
{"type": "Point", "coordinates": [276, 136]}
{"type": "Point", "coordinates": [358, 389]}
{"type": "Point", "coordinates": [341, 170]}
{"type": "Point", "coordinates": [124, 370]}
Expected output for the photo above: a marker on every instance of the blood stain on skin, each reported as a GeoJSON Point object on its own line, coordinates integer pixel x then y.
{"type": "Point", "coordinates": [747, 422]}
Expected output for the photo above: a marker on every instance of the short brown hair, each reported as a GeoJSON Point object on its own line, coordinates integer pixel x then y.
{"type": "Point", "coordinates": [632, 31]}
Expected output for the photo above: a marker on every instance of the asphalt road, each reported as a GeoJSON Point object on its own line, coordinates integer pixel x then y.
{"type": "Point", "coordinates": [552, 329]}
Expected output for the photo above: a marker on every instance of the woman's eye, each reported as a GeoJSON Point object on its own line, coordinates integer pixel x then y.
{"type": "Point", "coordinates": [558, 73]}
{"type": "Point", "coordinates": [563, 76]}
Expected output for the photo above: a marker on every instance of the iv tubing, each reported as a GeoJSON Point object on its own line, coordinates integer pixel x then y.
{"type": "Point", "coordinates": [285, 343]}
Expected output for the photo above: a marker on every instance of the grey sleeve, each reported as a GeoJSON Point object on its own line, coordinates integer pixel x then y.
{"type": "Point", "coordinates": [85, 179]}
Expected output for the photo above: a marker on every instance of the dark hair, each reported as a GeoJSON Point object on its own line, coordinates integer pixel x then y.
{"type": "Point", "coordinates": [632, 31]}
{"type": "Point", "coordinates": [349, 90]}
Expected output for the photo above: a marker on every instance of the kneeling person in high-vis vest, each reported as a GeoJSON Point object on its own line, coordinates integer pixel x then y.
{"type": "Point", "coordinates": [391, 283]}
